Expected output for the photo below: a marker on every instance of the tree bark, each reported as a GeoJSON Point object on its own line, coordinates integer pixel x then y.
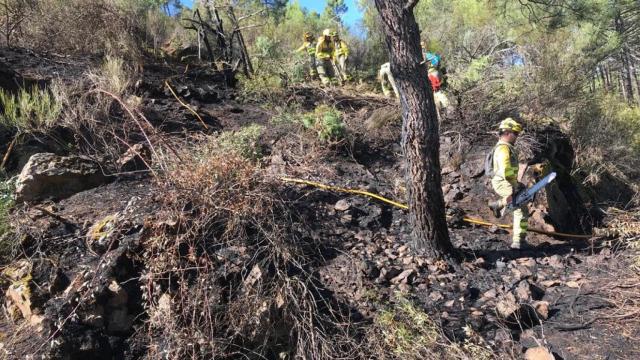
{"type": "Point", "coordinates": [420, 129]}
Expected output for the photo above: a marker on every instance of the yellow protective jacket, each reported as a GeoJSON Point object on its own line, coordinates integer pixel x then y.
{"type": "Point", "coordinates": [505, 165]}
{"type": "Point", "coordinates": [325, 48]}
{"type": "Point", "coordinates": [341, 49]}
{"type": "Point", "coordinates": [309, 46]}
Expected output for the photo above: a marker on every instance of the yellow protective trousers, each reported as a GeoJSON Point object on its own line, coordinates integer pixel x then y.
{"type": "Point", "coordinates": [520, 216]}
{"type": "Point", "coordinates": [325, 71]}
{"type": "Point", "coordinates": [505, 180]}
{"type": "Point", "coordinates": [387, 81]}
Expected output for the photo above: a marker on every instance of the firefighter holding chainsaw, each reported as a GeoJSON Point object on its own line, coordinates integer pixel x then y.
{"type": "Point", "coordinates": [505, 170]}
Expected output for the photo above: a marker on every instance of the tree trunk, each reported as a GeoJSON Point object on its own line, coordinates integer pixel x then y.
{"type": "Point", "coordinates": [420, 133]}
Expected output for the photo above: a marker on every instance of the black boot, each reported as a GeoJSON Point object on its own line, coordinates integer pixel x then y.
{"type": "Point", "coordinates": [496, 207]}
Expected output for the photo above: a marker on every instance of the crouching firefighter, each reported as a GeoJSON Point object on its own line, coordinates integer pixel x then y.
{"type": "Point", "coordinates": [504, 168]}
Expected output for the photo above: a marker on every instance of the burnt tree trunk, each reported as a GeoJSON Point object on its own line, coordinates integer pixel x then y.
{"type": "Point", "coordinates": [420, 132]}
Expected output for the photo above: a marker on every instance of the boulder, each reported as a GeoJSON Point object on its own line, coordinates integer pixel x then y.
{"type": "Point", "coordinates": [538, 353]}
{"type": "Point", "coordinates": [136, 158]}
{"type": "Point", "coordinates": [48, 175]}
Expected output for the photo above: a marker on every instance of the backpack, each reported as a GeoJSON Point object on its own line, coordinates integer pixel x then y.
{"type": "Point", "coordinates": [488, 163]}
{"type": "Point", "coordinates": [488, 160]}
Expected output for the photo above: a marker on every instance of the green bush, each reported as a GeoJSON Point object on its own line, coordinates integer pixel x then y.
{"type": "Point", "coordinates": [7, 243]}
{"type": "Point", "coordinates": [326, 121]}
{"type": "Point", "coordinates": [30, 110]}
{"type": "Point", "coordinates": [245, 142]}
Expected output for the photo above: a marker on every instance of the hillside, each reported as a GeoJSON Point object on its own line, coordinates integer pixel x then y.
{"type": "Point", "coordinates": [157, 206]}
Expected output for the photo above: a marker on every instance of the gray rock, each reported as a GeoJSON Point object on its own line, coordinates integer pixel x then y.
{"type": "Point", "coordinates": [342, 205]}
{"type": "Point", "coordinates": [48, 175]}
{"type": "Point", "coordinates": [136, 158]}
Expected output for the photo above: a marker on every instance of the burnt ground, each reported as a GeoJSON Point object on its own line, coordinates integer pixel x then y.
{"type": "Point", "coordinates": [365, 258]}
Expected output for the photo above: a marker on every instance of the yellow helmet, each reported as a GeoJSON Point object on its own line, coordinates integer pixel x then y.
{"type": "Point", "coordinates": [511, 125]}
{"type": "Point", "coordinates": [326, 32]}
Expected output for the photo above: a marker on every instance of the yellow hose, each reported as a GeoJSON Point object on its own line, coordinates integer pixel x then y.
{"type": "Point", "coordinates": [469, 220]}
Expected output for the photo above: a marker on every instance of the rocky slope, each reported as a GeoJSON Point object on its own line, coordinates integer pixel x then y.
{"type": "Point", "coordinates": [85, 283]}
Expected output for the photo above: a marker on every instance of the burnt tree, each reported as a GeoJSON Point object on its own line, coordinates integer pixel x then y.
{"type": "Point", "coordinates": [420, 130]}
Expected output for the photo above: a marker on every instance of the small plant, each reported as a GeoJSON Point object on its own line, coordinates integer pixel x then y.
{"type": "Point", "coordinates": [30, 110]}
{"type": "Point", "coordinates": [7, 243]}
{"type": "Point", "coordinates": [244, 142]}
{"type": "Point", "coordinates": [404, 331]}
{"type": "Point", "coordinates": [113, 76]}
{"type": "Point", "coordinates": [326, 121]}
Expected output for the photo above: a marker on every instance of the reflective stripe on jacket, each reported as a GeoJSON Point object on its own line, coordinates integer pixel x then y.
{"type": "Point", "coordinates": [309, 46]}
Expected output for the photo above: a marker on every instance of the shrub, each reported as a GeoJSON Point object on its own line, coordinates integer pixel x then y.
{"type": "Point", "coordinates": [262, 86]}
{"type": "Point", "coordinates": [113, 76]}
{"type": "Point", "coordinates": [7, 241]}
{"type": "Point", "coordinates": [244, 142]}
{"type": "Point", "coordinates": [326, 121]}
{"type": "Point", "coordinates": [224, 266]}
{"type": "Point", "coordinates": [30, 110]}
{"type": "Point", "coordinates": [404, 331]}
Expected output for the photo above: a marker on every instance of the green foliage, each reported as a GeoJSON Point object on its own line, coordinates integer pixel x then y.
{"type": "Point", "coordinates": [30, 110]}
{"type": "Point", "coordinates": [7, 242]}
{"type": "Point", "coordinates": [326, 121]}
{"type": "Point", "coordinates": [405, 331]}
{"type": "Point", "coordinates": [244, 142]}
{"type": "Point", "coordinates": [263, 86]}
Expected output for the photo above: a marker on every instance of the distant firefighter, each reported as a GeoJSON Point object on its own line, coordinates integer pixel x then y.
{"type": "Point", "coordinates": [309, 46]}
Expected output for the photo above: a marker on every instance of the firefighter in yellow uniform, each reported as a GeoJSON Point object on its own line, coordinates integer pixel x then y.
{"type": "Point", "coordinates": [505, 180]}
{"type": "Point", "coordinates": [341, 55]}
{"type": "Point", "coordinates": [310, 48]}
{"type": "Point", "coordinates": [325, 50]}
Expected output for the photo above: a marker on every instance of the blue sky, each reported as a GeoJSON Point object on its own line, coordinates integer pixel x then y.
{"type": "Point", "coordinates": [351, 18]}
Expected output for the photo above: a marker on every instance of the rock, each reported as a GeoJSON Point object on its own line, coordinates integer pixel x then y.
{"type": "Point", "coordinates": [136, 158]}
{"type": "Point", "coordinates": [342, 205]}
{"type": "Point", "coordinates": [389, 253]}
{"type": "Point", "coordinates": [528, 262]}
{"type": "Point", "coordinates": [119, 320]}
{"type": "Point", "coordinates": [370, 269]}
{"type": "Point", "coordinates": [453, 196]}
{"type": "Point", "coordinates": [527, 291]}
{"type": "Point", "coordinates": [490, 294]}
{"type": "Point", "coordinates": [48, 175]}
{"type": "Point", "coordinates": [555, 261]}
{"type": "Point", "coordinates": [538, 353]}
{"type": "Point", "coordinates": [507, 306]}
{"type": "Point", "coordinates": [449, 303]}
{"type": "Point", "coordinates": [391, 273]}
{"type": "Point", "coordinates": [99, 237]}
{"type": "Point", "coordinates": [574, 284]}
{"type": "Point", "coordinates": [521, 272]}
{"type": "Point", "coordinates": [542, 309]}
{"type": "Point", "coordinates": [117, 295]}
{"type": "Point", "coordinates": [538, 220]}
{"type": "Point", "coordinates": [58, 282]}
{"type": "Point", "coordinates": [436, 296]}
{"type": "Point", "coordinates": [500, 264]}
{"type": "Point", "coordinates": [404, 277]}
{"type": "Point", "coordinates": [550, 283]}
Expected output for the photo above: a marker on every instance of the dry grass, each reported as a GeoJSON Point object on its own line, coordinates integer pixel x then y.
{"type": "Point", "coordinates": [228, 277]}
